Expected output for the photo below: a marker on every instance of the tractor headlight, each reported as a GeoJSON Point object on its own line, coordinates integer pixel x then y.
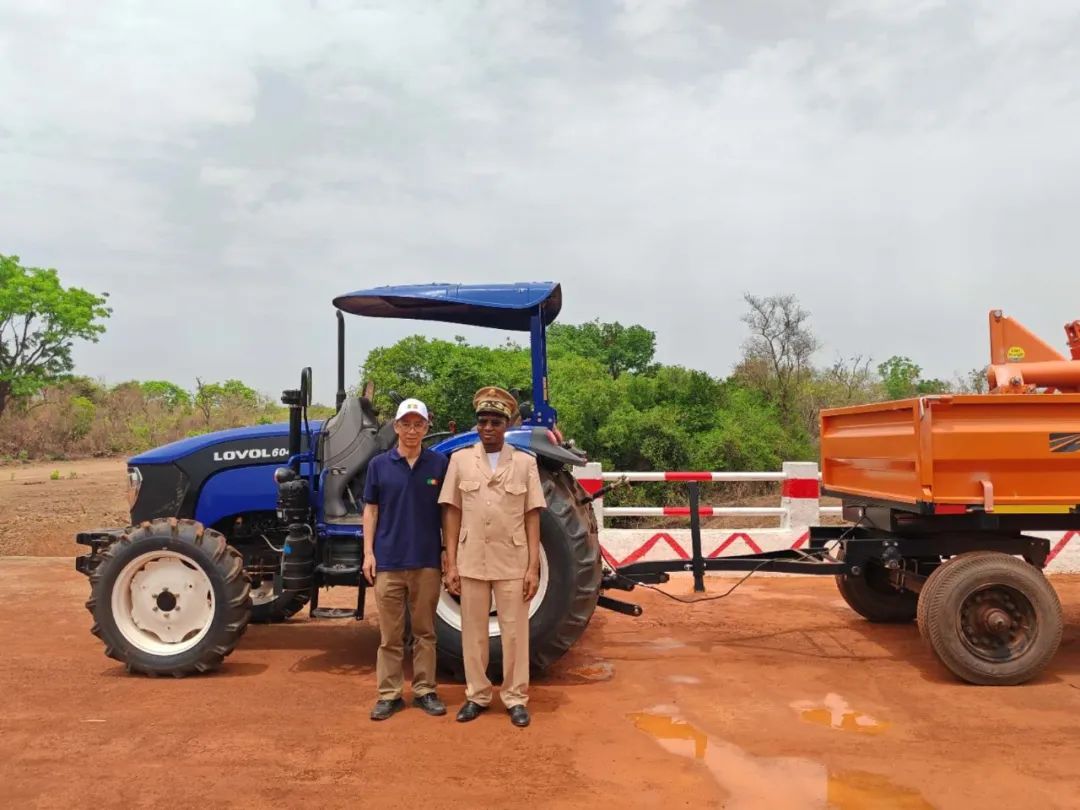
{"type": "Point", "coordinates": [134, 485]}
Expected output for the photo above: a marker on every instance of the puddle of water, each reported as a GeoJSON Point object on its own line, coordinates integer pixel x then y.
{"type": "Point", "coordinates": [596, 671]}
{"type": "Point", "coordinates": [774, 782]}
{"type": "Point", "coordinates": [857, 790]}
{"type": "Point", "coordinates": [686, 679]}
{"type": "Point", "coordinates": [665, 728]}
{"type": "Point", "coordinates": [834, 712]}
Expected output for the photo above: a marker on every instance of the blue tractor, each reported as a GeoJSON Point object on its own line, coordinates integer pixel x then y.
{"type": "Point", "coordinates": [249, 525]}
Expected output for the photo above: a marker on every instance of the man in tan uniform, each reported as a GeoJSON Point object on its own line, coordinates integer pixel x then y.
{"type": "Point", "coordinates": [492, 499]}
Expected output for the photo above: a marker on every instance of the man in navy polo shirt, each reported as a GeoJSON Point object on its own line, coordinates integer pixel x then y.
{"type": "Point", "coordinates": [403, 558]}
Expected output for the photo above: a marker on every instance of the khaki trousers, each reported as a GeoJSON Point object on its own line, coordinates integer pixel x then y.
{"type": "Point", "coordinates": [419, 588]}
{"type": "Point", "coordinates": [514, 627]}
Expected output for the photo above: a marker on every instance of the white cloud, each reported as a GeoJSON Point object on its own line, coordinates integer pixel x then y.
{"type": "Point", "coordinates": [901, 167]}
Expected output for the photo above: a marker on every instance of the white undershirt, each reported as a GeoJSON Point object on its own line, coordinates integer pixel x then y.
{"type": "Point", "coordinates": [493, 460]}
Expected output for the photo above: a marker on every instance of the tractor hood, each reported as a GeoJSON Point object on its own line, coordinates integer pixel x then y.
{"type": "Point", "coordinates": [498, 306]}
{"type": "Point", "coordinates": [255, 435]}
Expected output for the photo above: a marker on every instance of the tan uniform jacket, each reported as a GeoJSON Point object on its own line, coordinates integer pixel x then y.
{"type": "Point", "coordinates": [492, 543]}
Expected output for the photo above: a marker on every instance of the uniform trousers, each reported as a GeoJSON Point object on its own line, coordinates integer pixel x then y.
{"type": "Point", "coordinates": [513, 615]}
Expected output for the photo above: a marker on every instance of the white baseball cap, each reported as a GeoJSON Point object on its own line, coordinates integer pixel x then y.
{"type": "Point", "coordinates": [412, 406]}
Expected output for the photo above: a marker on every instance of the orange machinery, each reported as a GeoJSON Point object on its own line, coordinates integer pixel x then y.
{"type": "Point", "coordinates": [1015, 450]}
{"type": "Point", "coordinates": [947, 500]}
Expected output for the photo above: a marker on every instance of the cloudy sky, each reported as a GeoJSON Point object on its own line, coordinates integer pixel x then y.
{"type": "Point", "coordinates": [224, 169]}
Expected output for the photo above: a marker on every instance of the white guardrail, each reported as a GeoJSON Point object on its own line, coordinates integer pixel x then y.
{"type": "Point", "coordinates": [799, 509]}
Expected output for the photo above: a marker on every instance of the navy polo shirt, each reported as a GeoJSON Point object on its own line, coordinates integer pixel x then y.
{"type": "Point", "coordinates": [409, 531]}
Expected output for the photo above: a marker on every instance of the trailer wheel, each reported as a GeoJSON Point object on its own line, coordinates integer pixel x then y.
{"type": "Point", "coordinates": [872, 596]}
{"type": "Point", "coordinates": [991, 619]}
{"type": "Point", "coordinates": [570, 574]}
{"type": "Point", "coordinates": [169, 598]}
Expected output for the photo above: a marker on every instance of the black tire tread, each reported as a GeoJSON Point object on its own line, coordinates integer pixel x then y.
{"type": "Point", "coordinates": [954, 577]}
{"type": "Point", "coordinates": [875, 605]}
{"type": "Point", "coordinates": [226, 559]}
{"type": "Point", "coordinates": [562, 491]}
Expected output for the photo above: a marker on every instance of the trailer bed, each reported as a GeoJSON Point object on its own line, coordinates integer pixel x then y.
{"type": "Point", "coordinates": [994, 452]}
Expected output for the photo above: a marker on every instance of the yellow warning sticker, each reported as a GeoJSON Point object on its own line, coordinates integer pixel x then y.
{"type": "Point", "coordinates": [1015, 354]}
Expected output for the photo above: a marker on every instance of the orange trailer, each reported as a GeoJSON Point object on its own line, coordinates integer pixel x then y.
{"type": "Point", "coordinates": [951, 486]}
{"type": "Point", "coordinates": [997, 453]}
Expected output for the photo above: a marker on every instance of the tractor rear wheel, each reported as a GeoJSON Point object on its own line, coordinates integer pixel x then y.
{"type": "Point", "coordinates": [991, 619]}
{"type": "Point", "coordinates": [169, 598]}
{"type": "Point", "coordinates": [570, 574]}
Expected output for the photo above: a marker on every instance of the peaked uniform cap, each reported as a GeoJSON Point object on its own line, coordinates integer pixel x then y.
{"type": "Point", "coordinates": [492, 399]}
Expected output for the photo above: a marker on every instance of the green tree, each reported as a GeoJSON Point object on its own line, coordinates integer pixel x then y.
{"type": "Point", "coordinates": [618, 348]}
{"type": "Point", "coordinates": [210, 397]}
{"type": "Point", "coordinates": [39, 322]}
{"type": "Point", "coordinates": [169, 394]}
{"type": "Point", "coordinates": [901, 378]}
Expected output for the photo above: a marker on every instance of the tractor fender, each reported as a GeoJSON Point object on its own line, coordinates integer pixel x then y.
{"type": "Point", "coordinates": [537, 441]}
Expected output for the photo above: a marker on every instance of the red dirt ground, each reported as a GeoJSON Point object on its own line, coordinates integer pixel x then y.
{"type": "Point", "coordinates": [778, 696]}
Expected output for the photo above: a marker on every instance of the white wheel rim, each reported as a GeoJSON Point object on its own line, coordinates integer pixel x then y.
{"type": "Point", "coordinates": [163, 603]}
{"type": "Point", "coordinates": [449, 609]}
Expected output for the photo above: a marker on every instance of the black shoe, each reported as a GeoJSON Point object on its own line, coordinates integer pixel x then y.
{"type": "Point", "coordinates": [519, 716]}
{"type": "Point", "coordinates": [431, 704]}
{"type": "Point", "coordinates": [470, 711]}
{"type": "Point", "coordinates": [384, 708]}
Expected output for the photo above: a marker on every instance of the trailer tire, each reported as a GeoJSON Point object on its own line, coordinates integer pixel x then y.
{"type": "Point", "coordinates": [190, 567]}
{"type": "Point", "coordinates": [872, 596]}
{"type": "Point", "coordinates": [990, 618]}
{"type": "Point", "coordinates": [571, 553]}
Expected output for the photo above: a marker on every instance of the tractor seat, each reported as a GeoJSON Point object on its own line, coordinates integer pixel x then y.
{"type": "Point", "coordinates": [350, 440]}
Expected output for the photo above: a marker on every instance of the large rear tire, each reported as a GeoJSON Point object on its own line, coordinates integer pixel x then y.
{"type": "Point", "coordinates": [570, 573]}
{"type": "Point", "coordinates": [169, 598]}
{"type": "Point", "coordinates": [990, 618]}
{"type": "Point", "coordinates": [872, 596]}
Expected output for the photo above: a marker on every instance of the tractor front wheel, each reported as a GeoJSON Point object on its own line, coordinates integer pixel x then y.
{"type": "Point", "coordinates": [570, 574]}
{"type": "Point", "coordinates": [169, 598]}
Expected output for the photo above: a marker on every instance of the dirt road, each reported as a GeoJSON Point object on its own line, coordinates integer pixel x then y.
{"type": "Point", "coordinates": [778, 696]}
{"type": "Point", "coordinates": [775, 697]}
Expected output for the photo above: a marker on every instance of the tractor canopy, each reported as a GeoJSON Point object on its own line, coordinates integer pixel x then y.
{"type": "Point", "coordinates": [497, 306]}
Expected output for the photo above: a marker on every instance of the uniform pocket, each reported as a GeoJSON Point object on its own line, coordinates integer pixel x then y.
{"type": "Point", "coordinates": [462, 535]}
{"type": "Point", "coordinates": [520, 539]}
{"type": "Point", "coordinates": [469, 490]}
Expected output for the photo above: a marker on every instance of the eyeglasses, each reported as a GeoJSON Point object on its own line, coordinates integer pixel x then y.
{"type": "Point", "coordinates": [409, 428]}
{"type": "Point", "coordinates": [490, 421]}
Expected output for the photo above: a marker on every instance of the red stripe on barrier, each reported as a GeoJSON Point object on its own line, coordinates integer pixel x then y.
{"type": "Point", "coordinates": [591, 485]}
{"type": "Point", "coordinates": [802, 540]}
{"type": "Point", "coordinates": [646, 547]}
{"type": "Point", "coordinates": [1064, 541]}
{"type": "Point", "coordinates": [684, 511]}
{"type": "Point", "coordinates": [754, 547]}
{"type": "Point", "coordinates": [801, 488]}
{"type": "Point", "coordinates": [687, 476]}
